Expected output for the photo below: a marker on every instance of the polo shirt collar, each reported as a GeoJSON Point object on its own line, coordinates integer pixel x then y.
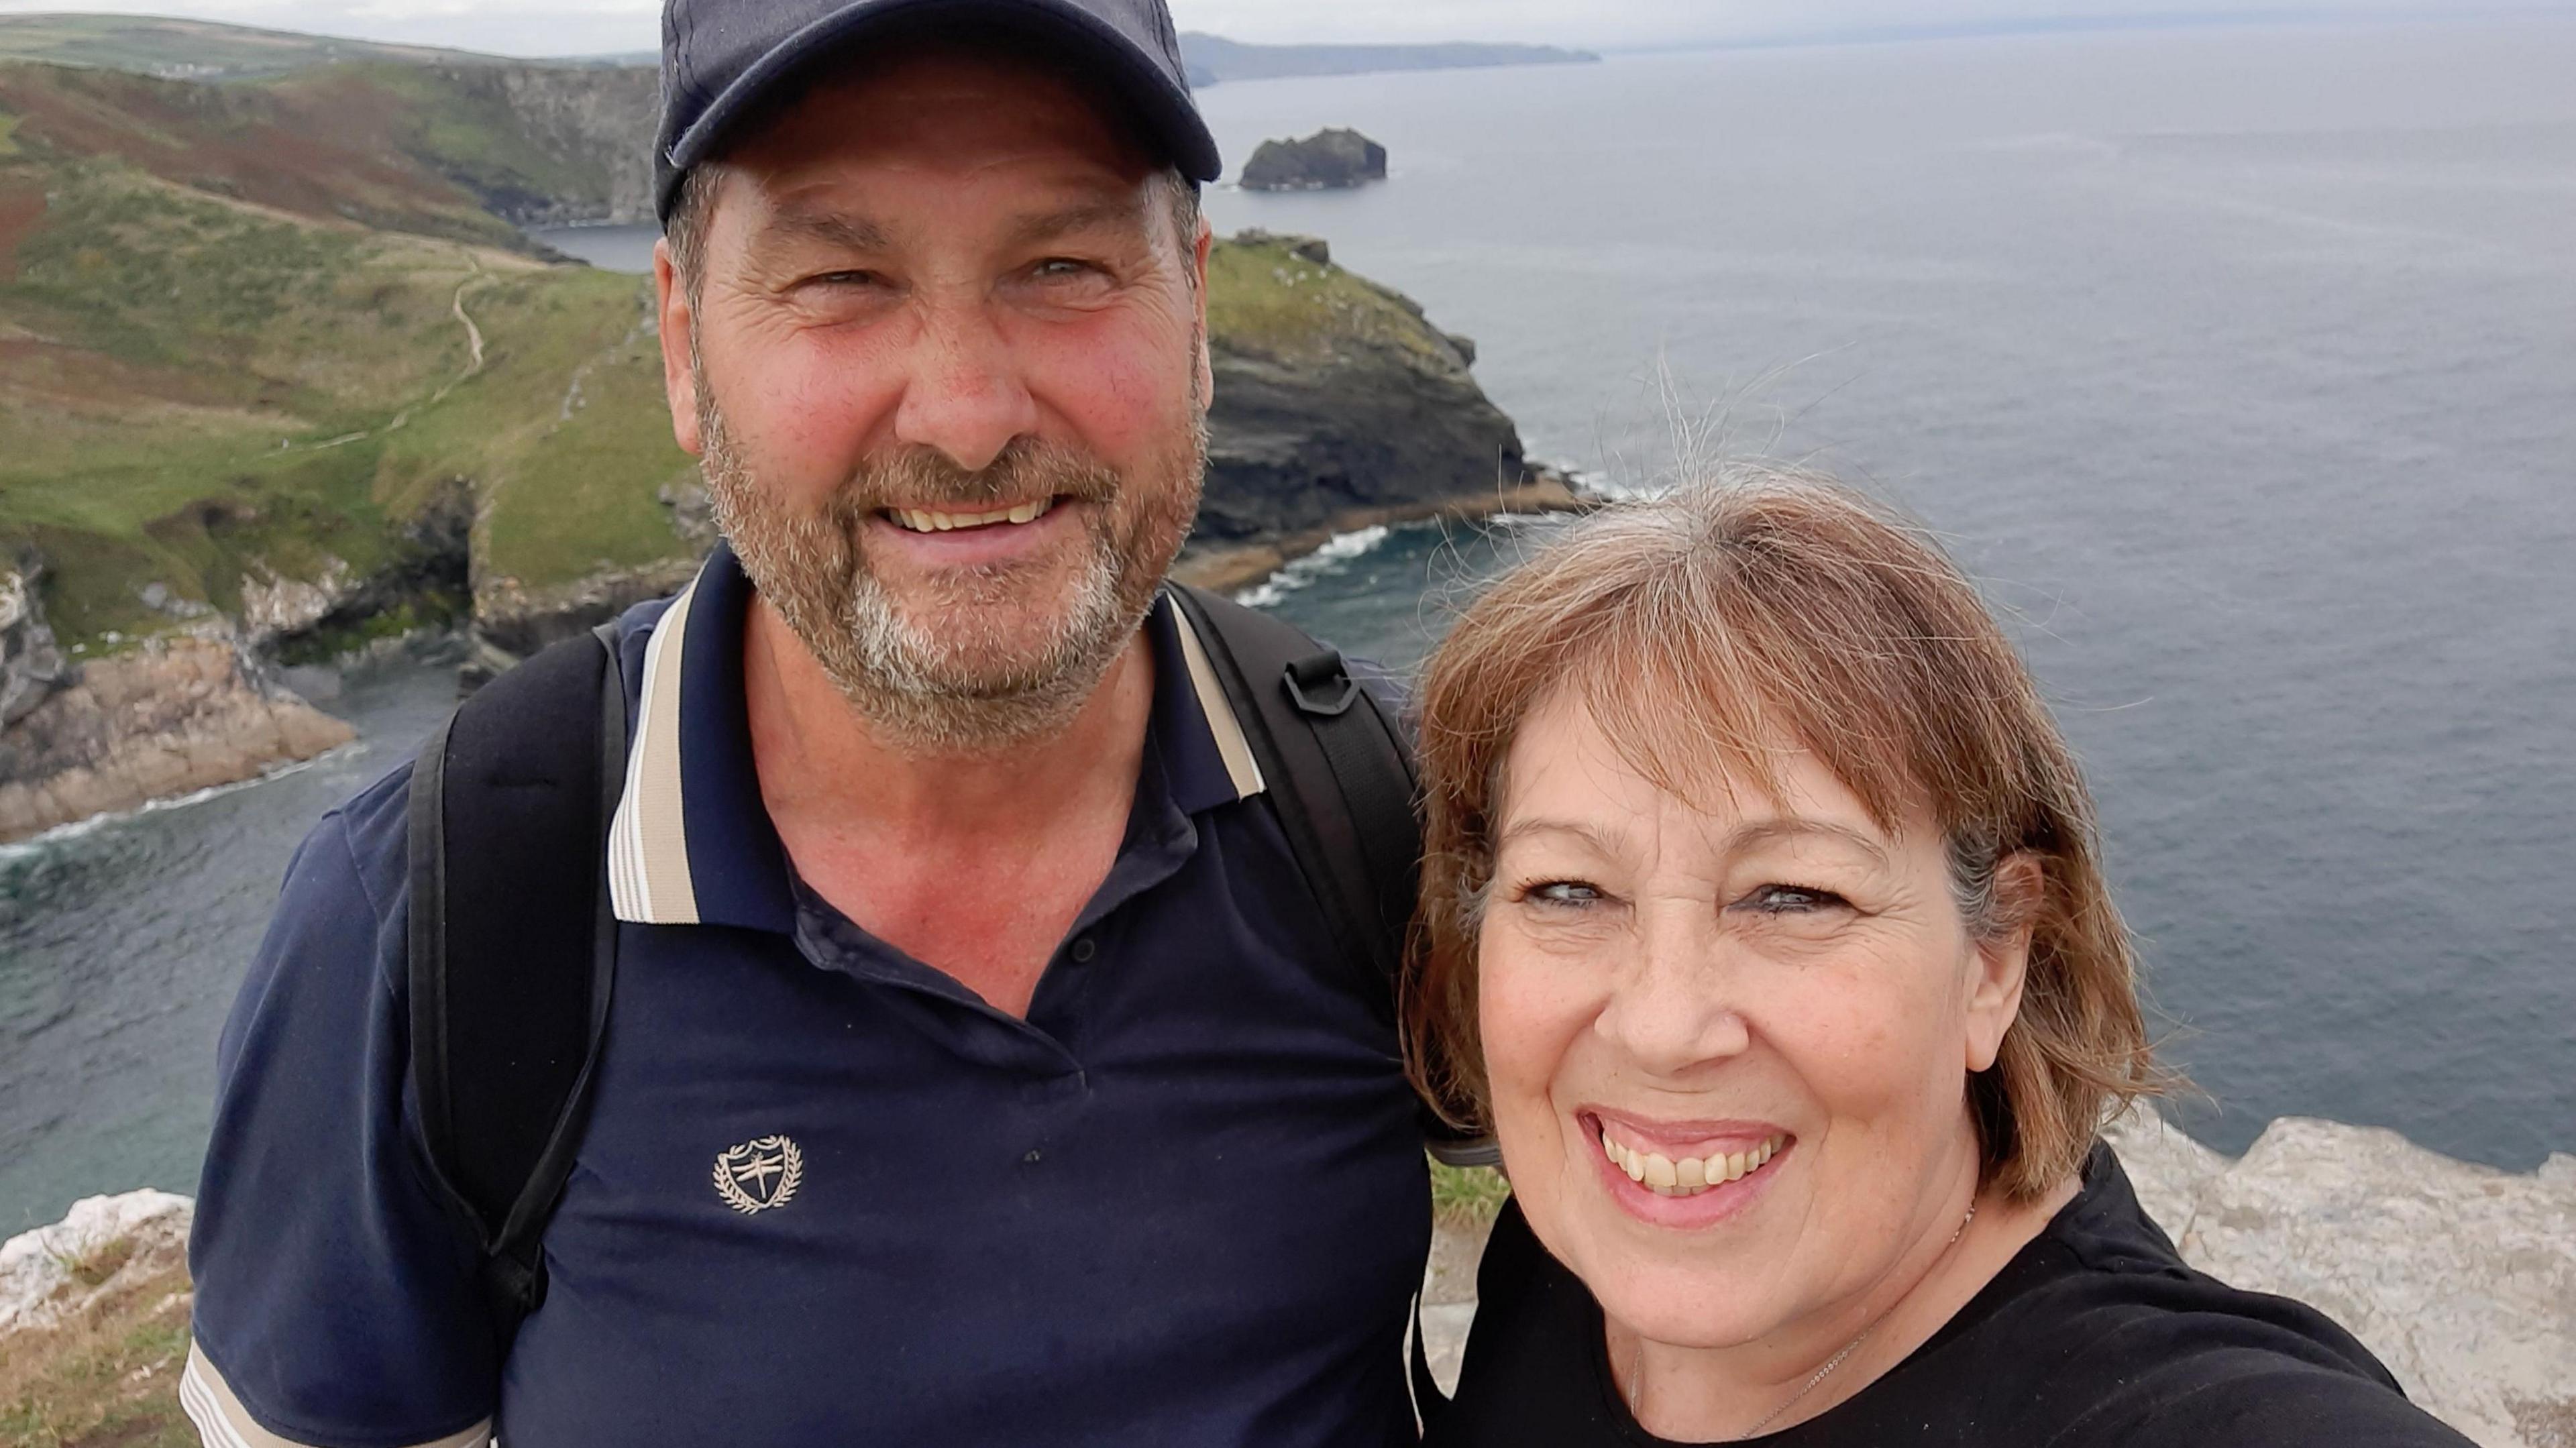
{"type": "Point", "coordinates": [692, 843]}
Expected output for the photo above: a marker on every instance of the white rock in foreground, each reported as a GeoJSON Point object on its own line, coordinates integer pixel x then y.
{"type": "Point", "coordinates": [35, 1266]}
{"type": "Point", "coordinates": [2460, 1277]}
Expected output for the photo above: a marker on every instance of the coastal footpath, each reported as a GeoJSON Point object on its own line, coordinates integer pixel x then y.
{"type": "Point", "coordinates": [2460, 1277]}
{"type": "Point", "coordinates": [281, 379]}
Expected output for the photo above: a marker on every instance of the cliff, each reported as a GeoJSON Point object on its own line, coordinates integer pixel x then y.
{"type": "Point", "coordinates": [2461, 1278]}
{"type": "Point", "coordinates": [277, 368]}
{"type": "Point", "coordinates": [175, 715]}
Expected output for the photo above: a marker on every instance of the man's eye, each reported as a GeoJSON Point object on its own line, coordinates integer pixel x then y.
{"type": "Point", "coordinates": [1063, 268]}
{"type": "Point", "coordinates": [843, 279]}
{"type": "Point", "coordinates": [1791, 900]}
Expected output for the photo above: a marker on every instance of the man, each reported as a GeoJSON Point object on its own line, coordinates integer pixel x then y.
{"type": "Point", "coordinates": [978, 1069]}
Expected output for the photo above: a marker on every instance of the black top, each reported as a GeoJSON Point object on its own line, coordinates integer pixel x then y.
{"type": "Point", "coordinates": [2094, 1333]}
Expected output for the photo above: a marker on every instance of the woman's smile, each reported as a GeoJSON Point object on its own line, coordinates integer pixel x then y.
{"type": "Point", "coordinates": [1682, 1175]}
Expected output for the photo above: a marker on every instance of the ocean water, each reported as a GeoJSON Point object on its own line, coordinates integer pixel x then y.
{"type": "Point", "coordinates": [2239, 365]}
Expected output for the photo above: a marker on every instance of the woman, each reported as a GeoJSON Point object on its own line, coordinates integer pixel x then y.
{"type": "Point", "coordinates": [1763, 924]}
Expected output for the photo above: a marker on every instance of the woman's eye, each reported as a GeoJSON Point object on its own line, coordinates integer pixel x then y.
{"type": "Point", "coordinates": [1791, 900]}
{"type": "Point", "coordinates": [1563, 892]}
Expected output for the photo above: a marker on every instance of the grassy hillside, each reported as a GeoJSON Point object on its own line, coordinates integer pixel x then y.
{"type": "Point", "coordinates": [189, 49]}
{"type": "Point", "coordinates": [212, 371]}
{"type": "Point", "coordinates": [262, 329]}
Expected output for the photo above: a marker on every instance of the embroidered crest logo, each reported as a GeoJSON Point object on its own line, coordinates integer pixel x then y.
{"type": "Point", "coordinates": [759, 1175]}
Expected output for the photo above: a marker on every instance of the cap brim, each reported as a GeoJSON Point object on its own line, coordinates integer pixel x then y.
{"type": "Point", "coordinates": [1160, 102]}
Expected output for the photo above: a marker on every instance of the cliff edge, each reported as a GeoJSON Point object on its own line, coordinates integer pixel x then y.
{"type": "Point", "coordinates": [2461, 1278]}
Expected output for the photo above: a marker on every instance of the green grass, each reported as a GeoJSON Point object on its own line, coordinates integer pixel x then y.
{"type": "Point", "coordinates": [1467, 1196]}
{"type": "Point", "coordinates": [108, 1377]}
{"type": "Point", "coordinates": [1262, 298]}
{"type": "Point", "coordinates": [224, 392]}
{"type": "Point", "coordinates": [457, 118]}
{"type": "Point", "coordinates": [229, 345]}
{"type": "Point", "coordinates": [155, 46]}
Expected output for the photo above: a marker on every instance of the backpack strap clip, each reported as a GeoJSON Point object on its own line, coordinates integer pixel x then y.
{"type": "Point", "coordinates": [1321, 685]}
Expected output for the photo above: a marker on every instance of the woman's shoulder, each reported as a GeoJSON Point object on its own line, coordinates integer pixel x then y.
{"type": "Point", "coordinates": [1530, 1373]}
{"type": "Point", "coordinates": [2119, 1340]}
{"type": "Point", "coordinates": [2096, 1333]}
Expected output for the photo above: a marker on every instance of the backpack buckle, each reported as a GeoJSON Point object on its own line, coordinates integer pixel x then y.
{"type": "Point", "coordinates": [1311, 683]}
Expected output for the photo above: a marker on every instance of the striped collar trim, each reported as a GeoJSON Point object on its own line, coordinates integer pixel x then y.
{"type": "Point", "coordinates": [649, 881]}
{"type": "Point", "coordinates": [652, 877]}
{"type": "Point", "coordinates": [222, 1422]}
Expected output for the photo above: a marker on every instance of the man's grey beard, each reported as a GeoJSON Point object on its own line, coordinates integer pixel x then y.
{"type": "Point", "coordinates": [957, 683]}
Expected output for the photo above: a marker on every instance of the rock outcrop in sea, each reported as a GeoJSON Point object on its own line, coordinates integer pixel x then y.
{"type": "Point", "coordinates": [1329, 160]}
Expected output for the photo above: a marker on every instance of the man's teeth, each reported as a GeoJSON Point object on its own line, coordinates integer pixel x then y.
{"type": "Point", "coordinates": [1691, 1175]}
{"type": "Point", "coordinates": [923, 520]}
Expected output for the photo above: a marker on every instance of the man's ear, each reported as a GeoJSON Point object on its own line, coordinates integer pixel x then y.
{"type": "Point", "coordinates": [679, 319]}
{"type": "Point", "coordinates": [1199, 262]}
{"type": "Point", "coordinates": [2002, 958]}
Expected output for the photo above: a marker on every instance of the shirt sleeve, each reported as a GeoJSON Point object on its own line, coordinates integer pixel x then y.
{"type": "Point", "coordinates": [338, 1303]}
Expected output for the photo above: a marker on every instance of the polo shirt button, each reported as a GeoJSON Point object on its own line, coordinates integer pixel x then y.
{"type": "Point", "coordinates": [1084, 949]}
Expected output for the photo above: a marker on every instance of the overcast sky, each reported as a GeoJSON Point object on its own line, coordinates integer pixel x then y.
{"type": "Point", "coordinates": [589, 27]}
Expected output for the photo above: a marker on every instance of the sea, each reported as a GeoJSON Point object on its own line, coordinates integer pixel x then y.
{"type": "Point", "coordinates": [2238, 363]}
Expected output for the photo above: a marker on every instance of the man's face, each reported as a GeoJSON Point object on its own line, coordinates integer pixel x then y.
{"type": "Point", "coordinates": [945, 363]}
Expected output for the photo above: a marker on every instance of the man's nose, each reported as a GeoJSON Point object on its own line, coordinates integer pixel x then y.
{"type": "Point", "coordinates": [1674, 1010]}
{"type": "Point", "coordinates": [965, 394]}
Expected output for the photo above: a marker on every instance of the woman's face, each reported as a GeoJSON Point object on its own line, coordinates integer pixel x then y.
{"type": "Point", "coordinates": [1729, 1039]}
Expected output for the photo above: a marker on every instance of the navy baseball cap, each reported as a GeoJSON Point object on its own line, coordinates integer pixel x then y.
{"type": "Point", "coordinates": [721, 58]}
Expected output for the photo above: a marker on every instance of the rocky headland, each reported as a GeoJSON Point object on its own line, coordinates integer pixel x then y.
{"type": "Point", "coordinates": [283, 378]}
{"type": "Point", "coordinates": [176, 713]}
{"type": "Point", "coordinates": [1329, 160]}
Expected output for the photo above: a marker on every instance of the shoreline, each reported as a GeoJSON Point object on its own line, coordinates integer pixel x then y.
{"type": "Point", "coordinates": [241, 728]}
{"type": "Point", "coordinates": [1233, 567]}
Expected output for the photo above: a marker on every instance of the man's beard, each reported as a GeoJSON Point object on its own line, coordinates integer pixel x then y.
{"type": "Point", "coordinates": [975, 664]}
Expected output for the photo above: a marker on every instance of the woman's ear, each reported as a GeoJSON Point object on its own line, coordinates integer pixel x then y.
{"type": "Point", "coordinates": [2003, 957]}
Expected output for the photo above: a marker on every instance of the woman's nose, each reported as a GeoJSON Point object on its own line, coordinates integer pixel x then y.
{"type": "Point", "coordinates": [965, 394]}
{"type": "Point", "coordinates": [1674, 1010]}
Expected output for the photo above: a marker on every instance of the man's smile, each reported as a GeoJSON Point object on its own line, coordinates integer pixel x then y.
{"type": "Point", "coordinates": [928, 520]}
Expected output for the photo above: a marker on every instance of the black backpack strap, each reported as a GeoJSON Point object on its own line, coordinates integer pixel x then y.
{"type": "Point", "coordinates": [513, 946]}
{"type": "Point", "coordinates": [1340, 777]}
{"type": "Point", "coordinates": [1338, 773]}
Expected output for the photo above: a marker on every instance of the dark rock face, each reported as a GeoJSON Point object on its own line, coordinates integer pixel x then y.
{"type": "Point", "coordinates": [1335, 399]}
{"type": "Point", "coordinates": [1294, 448]}
{"type": "Point", "coordinates": [32, 666]}
{"type": "Point", "coordinates": [1326, 160]}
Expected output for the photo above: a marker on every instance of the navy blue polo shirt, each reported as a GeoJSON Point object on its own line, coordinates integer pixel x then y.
{"type": "Point", "coordinates": [827, 1195]}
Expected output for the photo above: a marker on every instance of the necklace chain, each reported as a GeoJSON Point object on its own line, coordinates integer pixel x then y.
{"type": "Point", "coordinates": [1637, 1362]}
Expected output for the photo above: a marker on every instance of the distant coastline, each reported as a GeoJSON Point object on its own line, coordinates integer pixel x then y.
{"type": "Point", "coordinates": [2066, 25]}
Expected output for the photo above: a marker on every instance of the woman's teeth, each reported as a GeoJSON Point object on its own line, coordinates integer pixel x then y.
{"type": "Point", "coordinates": [1691, 1175]}
{"type": "Point", "coordinates": [923, 520]}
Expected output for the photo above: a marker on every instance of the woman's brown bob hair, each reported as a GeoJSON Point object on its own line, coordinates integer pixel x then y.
{"type": "Point", "coordinates": [1765, 609]}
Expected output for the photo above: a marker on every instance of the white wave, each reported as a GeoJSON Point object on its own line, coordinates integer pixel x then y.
{"type": "Point", "coordinates": [1337, 551]}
